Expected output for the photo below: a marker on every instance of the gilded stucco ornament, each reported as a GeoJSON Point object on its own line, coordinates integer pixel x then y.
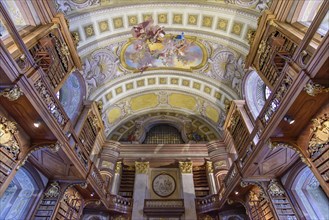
{"type": "Point", "coordinates": [261, 47]}
{"type": "Point", "coordinates": [320, 134]}
{"type": "Point", "coordinates": [100, 67]}
{"type": "Point", "coordinates": [185, 167]}
{"type": "Point", "coordinates": [251, 36]}
{"type": "Point", "coordinates": [313, 89]}
{"type": "Point", "coordinates": [53, 191]}
{"type": "Point", "coordinates": [209, 167]}
{"type": "Point", "coordinates": [275, 189]}
{"type": "Point", "coordinates": [8, 130]}
{"type": "Point", "coordinates": [65, 49]}
{"type": "Point", "coordinates": [12, 94]}
{"type": "Point", "coordinates": [118, 167]}
{"type": "Point", "coordinates": [141, 167]}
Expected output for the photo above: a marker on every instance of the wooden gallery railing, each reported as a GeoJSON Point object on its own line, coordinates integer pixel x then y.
{"type": "Point", "coordinates": [120, 204]}
{"type": "Point", "coordinates": [207, 204]}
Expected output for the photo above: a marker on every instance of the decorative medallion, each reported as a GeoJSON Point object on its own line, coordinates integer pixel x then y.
{"type": "Point", "coordinates": [164, 185]}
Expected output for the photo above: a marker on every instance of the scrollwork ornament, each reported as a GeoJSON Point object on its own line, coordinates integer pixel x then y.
{"type": "Point", "coordinates": [53, 191]}
{"type": "Point", "coordinates": [185, 167]}
{"type": "Point", "coordinates": [141, 167]}
{"type": "Point", "coordinates": [313, 89]}
{"type": "Point", "coordinates": [8, 130]}
{"type": "Point", "coordinates": [54, 147]}
{"type": "Point", "coordinates": [273, 145]}
{"type": "Point", "coordinates": [12, 94]}
{"type": "Point", "coordinates": [320, 134]}
{"type": "Point", "coordinates": [275, 189]}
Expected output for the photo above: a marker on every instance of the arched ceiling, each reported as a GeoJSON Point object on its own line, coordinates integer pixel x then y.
{"type": "Point", "coordinates": [201, 94]}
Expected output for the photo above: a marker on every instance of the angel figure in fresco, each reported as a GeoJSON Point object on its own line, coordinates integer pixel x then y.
{"type": "Point", "coordinates": [147, 31]}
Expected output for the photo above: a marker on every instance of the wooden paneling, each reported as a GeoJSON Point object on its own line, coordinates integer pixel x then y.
{"type": "Point", "coordinates": [25, 115]}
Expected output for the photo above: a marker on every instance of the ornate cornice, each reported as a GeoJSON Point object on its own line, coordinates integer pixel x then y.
{"type": "Point", "coordinates": [142, 167]}
{"type": "Point", "coordinates": [186, 167]}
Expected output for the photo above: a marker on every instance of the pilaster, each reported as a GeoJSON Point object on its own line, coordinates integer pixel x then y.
{"type": "Point", "coordinates": [140, 188]}
{"type": "Point", "coordinates": [188, 189]}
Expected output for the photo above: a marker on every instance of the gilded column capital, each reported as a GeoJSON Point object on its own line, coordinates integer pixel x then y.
{"type": "Point", "coordinates": [141, 167]}
{"type": "Point", "coordinates": [209, 167]}
{"type": "Point", "coordinates": [185, 167]}
{"type": "Point", "coordinates": [118, 167]}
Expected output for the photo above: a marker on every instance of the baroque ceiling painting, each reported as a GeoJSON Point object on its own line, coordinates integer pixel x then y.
{"type": "Point", "coordinates": [181, 62]}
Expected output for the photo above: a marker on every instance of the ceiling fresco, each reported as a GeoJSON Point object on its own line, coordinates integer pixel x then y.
{"type": "Point", "coordinates": [172, 52]}
{"type": "Point", "coordinates": [184, 57]}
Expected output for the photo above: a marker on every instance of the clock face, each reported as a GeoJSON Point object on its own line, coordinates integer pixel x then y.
{"type": "Point", "coordinates": [164, 185]}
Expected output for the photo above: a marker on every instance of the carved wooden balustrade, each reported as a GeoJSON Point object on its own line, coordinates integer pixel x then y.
{"type": "Point", "coordinates": [231, 176]}
{"type": "Point", "coordinates": [120, 204]}
{"type": "Point", "coordinates": [215, 202]}
{"type": "Point", "coordinates": [208, 204]}
{"type": "Point", "coordinates": [40, 65]}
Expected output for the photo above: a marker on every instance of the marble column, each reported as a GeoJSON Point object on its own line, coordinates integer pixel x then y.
{"type": "Point", "coordinates": [117, 178]}
{"type": "Point", "coordinates": [188, 189]}
{"type": "Point", "coordinates": [140, 189]}
{"type": "Point", "coordinates": [211, 178]}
